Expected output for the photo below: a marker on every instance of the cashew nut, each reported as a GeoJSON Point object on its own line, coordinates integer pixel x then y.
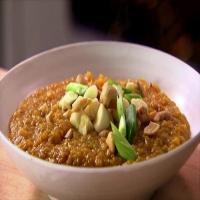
{"type": "Point", "coordinates": [110, 142]}
{"type": "Point", "coordinates": [139, 103]}
{"type": "Point", "coordinates": [108, 93]}
{"type": "Point", "coordinates": [141, 108]}
{"type": "Point", "coordinates": [143, 87]}
{"type": "Point", "coordinates": [151, 128]}
{"type": "Point", "coordinates": [162, 115]}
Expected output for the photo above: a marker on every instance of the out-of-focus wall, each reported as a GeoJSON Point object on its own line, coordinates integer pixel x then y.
{"type": "Point", "coordinates": [31, 26]}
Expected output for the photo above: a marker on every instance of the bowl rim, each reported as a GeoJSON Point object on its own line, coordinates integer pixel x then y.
{"type": "Point", "coordinates": [134, 166]}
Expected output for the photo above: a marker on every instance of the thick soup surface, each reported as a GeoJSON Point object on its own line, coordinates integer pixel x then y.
{"type": "Point", "coordinates": [71, 124]}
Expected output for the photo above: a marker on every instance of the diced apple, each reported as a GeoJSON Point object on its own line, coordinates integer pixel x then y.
{"type": "Point", "coordinates": [85, 125]}
{"type": "Point", "coordinates": [67, 100]}
{"type": "Point", "coordinates": [75, 119]}
{"type": "Point", "coordinates": [91, 92]}
{"type": "Point", "coordinates": [102, 119]}
{"type": "Point", "coordinates": [108, 94]}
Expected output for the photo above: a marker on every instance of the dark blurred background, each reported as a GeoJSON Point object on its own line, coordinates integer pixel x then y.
{"type": "Point", "coordinates": [31, 26]}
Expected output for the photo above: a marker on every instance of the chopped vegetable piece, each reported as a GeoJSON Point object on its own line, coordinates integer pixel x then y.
{"type": "Point", "coordinates": [77, 88]}
{"type": "Point", "coordinates": [103, 119]}
{"type": "Point", "coordinates": [124, 149]}
{"type": "Point", "coordinates": [122, 126]}
{"type": "Point", "coordinates": [81, 122]}
{"type": "Point", "coordinates": [132, 96]}
{"type": "Point", "coordinates": [131, 123]}
{"type": "Point", "coordinates": [120, 107]}
{"type": "Point", "coordinates": [85, 125]}
{"type": "Point", "coordinates": [75, 119]}
{"type": "Point", "coordinates": [91, 92]}
{"type": "Point", "coordinates": [120, 104]}
{"type": "Point", "coordinates": [67, 100]}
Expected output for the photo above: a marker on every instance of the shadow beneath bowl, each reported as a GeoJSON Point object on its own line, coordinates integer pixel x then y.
{"type": "Point", "coordinates": [176, 188]}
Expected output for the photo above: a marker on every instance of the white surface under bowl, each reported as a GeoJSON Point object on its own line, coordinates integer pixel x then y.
{"type": "Point", "coordinates": [118, 60]}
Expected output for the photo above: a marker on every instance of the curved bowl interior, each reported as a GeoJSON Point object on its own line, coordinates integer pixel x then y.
{"type": "Point", "coordinates": [118, 60]}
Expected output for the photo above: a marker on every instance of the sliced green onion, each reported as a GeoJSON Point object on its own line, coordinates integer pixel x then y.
{"type": "Point", "coordinates": [119, 89]}
{"type": "Point", "coordinates": [124, 149]}
{"type": "Point", "coordinates": [131, 123]}
{"type": "Point", "coordinates": [122, 125]}
{"type": "Point", "coordinates": [127, 91]}
{"type": "Point", "coordinates": [120, 107]}
{"type": "Point", "coordinates": [77, 88]}
{"type": "Point", "coordinates": [132, 96]}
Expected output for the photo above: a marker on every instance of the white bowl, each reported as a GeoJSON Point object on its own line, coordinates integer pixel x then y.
{"type": "Point", "coordinates": [119, 60]}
